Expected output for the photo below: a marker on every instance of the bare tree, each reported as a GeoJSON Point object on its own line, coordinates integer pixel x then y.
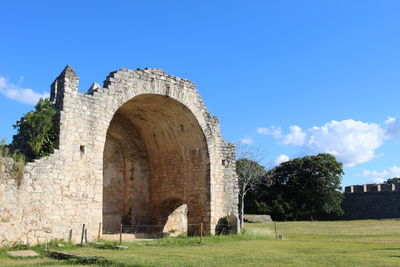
{"type": "Point", "coordinates": [250, 173]}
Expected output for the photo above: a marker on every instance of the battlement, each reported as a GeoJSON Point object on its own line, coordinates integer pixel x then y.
{"type": "Point", "coordinates": [371, 201]}
{"type": "Point", "coordinates": [372, 188]}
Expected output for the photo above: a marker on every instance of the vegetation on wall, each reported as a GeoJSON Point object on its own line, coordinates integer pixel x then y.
{"type": "Point", "coordinates": [37, 131]}
{"type": "Point", "coordinates": [302, 188]}
{"type": "Point", "coordinates": [17, 171]}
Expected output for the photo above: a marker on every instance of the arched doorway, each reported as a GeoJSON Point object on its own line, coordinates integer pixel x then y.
{"type": "Point", "coordinates": [155, 150]}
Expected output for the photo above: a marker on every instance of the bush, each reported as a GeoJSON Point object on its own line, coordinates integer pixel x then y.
{"type": "Point", "coordinates": [225, 226]}
{"type": "Point", "coordinates": [37, 134]}
{"type": "Point", "coordinates": [37, 131]}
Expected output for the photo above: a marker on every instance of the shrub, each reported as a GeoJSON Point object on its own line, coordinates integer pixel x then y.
{"type": "Point", "coordinates": [37, 131]}
{"type": "Point", "coordinates": [225, 226]}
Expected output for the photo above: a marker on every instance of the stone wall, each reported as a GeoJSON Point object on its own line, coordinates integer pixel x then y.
{"type": "Point", "coordinates": [126, 149]}
{"type": "Point", "coordinates": [372, 201]}
{"type": "Point", "coordinates": [47, 205]}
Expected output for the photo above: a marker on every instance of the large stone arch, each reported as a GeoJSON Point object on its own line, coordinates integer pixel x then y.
{"type": "Point", "coordinates": [125, 85]}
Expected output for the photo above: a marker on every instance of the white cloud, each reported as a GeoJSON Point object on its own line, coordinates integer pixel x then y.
{"type": "Point", "coordinates": [280, 159]}
{"type": "Point", "coordinates": [381, 176]}
{"type": "Point", "coordinates": [23, 95]}
{"type": "Point", "coordinates": [246, 141]}
{"type": "Point", "coordinates": [377, 181]}
{"type": "Point", "coordinates": [393, 128]}
{"type": "Point", "coordinates": [295, 137]}
{"type": "Point", "coordinates": [352, 142]}
{"type": "Point", "coordinates": [273, 131]}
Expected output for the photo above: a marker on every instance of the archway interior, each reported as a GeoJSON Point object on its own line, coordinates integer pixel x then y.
{"type": "Point", "coordinates": [155, 152]}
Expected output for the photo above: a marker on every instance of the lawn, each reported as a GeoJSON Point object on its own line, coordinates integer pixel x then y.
{"type": "Point", "coordinates": [341, 243]}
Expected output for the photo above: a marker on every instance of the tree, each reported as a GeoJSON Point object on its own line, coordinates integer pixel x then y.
{"type": "Point", "coordinates": [393, 180]}
{"type": "Point", "coordinates": [250, 174]}
{"type": "Point", "coordinates": [303, 188]}
{"type": "Point", "coordinates": [36, 131]}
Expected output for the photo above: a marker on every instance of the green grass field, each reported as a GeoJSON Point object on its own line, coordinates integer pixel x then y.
{"type": "Point", "coordinates": [341, 243]}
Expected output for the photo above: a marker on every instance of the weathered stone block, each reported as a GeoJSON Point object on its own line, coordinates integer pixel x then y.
{"type": "Point", "coordinates": [257, 218]}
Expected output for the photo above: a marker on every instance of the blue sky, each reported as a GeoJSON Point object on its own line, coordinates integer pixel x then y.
{"type": "Point", "coordinates": [294, 77]}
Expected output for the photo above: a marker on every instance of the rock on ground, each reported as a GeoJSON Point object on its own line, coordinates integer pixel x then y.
{"type": "Point", "coordinates": [257, 218]}
{"type": "Point", "coordinates": [23, 253]}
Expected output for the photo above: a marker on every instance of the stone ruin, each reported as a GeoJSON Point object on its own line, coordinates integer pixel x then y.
{"type": "Point", "coordinates": [135, 152]}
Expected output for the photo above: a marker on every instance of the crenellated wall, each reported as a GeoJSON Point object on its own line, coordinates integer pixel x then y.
{"type": "Point", "coordinates": [125, 150]}
{"type": "Point", "coordinates": [372, 201]}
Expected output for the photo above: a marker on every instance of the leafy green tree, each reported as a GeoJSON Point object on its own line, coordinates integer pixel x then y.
{"type": "Point", "coordinates": [393, 180]}
{"type": "Point", "coordinates": [37, 131]}
{"type": "Point", "coordinates": [303, 188]}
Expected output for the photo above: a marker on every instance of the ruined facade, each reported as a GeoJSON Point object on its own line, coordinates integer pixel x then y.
{"type": "Point", "coordinates": [129, 153]}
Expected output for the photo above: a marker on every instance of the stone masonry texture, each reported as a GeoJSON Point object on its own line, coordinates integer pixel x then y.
{"type": "Point", "coordinates": [372, 201]}
{"type": "Point", "coordinates": [129, 152]}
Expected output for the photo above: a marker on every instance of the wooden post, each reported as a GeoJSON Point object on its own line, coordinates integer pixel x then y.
{"type": "Point", "coordinates": [86, 235]}
{"type": "Point", "coordinates": [201, 232]}
{"type": "Point", "coordinates": [98, 235]}
{"type": "Point", "coordinates": [276, 234]}
{"type": "Point", "coordinates": [120, 235]}
{"type": "Point", "coordinates": [83, 233]}
{"type": "Point", "coordinates": [70, 236]}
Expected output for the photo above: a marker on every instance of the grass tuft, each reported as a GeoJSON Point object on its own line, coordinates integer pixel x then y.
{"type": "Point", "coordinates": [258, 233]}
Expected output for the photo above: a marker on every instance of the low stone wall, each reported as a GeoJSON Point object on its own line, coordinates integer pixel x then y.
{"type": "Point", "coordinates": [19, 222]}
{"type": "Point", "coordinates": [46, 205]}
{"type": "Point", "coordinates": [371, 205]}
